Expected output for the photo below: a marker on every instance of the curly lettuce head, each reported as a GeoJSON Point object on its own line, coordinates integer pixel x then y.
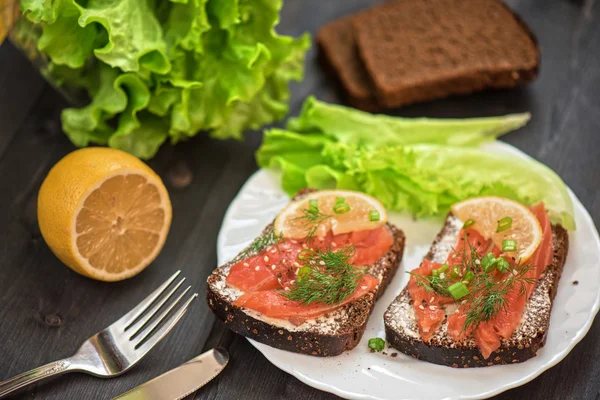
{"type": "Point", "coordinates": [158, 70]}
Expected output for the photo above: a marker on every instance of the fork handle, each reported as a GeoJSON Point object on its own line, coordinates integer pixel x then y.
{"type": "Point", "coordinates": [36, 374]}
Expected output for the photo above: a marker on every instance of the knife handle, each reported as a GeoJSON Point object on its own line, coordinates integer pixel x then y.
{"type": "Point", "coordinates": [36, 374]}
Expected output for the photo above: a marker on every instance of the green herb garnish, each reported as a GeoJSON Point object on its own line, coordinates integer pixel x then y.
{"type": "Point", "coordinates": [478, 287]}
{"type": "Point", "coordinates": [376, 344]}
{"type": "Point", "coordinates": [458, 290]}
{"type": "Point", "coordinates": [312, 217]}
{"type": "Point", "coordinates": [488, 296]}
{"type": "Point", "coordinates": [504, 224]}
{"type": "Point", "coordinates": [440, 271]}
{"type": "Point", "coordinates": [469, 223]}
{"type": "Point", "coordinates": [455, 273]}
{"type": "Point", "coordinates": [269, 238]}
{"type": "Point", "coordinates": [468, 277]}
{"type": "Point", "coordinates": [341, 207]}
{"type": "Point", "coordinates": [509, 245]}
{"type": "Point", "coordinates": [374, 216]}
{"type": "Point", "coordinates": [327, 277]}
{"type": "Point", "coordinates": [488, 262]}
{"type": "Point", "coordinates": [433, 284]}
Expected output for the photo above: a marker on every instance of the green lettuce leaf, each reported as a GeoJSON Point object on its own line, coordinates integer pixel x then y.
{"type": "Point", "coordinates": [116, 93]}
{"type": "Point", "coordinates": [88, 124]}
{"type": "Point", "coordinates": [65, 41]}
{"type": "Point", "coordinates": [166, 69]}
{"type": "Point", "coordinates": [270, 103]}
{"type": "Point", "coordinates": [226, 12]}
{"type": "Point", "coordinates": [142, 135]}
{"type": "Point", "coordinates": [40, 10]}
{"type": "Point", "coordinates": [135, 38]}
{"type": "Point", "coordinates": [186, 24]}
{"type": "Point", "coordinates": [423, 179]}
{"type": "Point", "coordinates": [351, 126]}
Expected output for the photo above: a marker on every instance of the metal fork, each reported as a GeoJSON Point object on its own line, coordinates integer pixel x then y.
{"type": "Point", "coordinates": [120, 346]}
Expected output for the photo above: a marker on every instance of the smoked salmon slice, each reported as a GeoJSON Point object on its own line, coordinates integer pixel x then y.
{"type": "Point", "coordinates": [509, 319]}
{"type": "Point", "coordinates": [488, 334]}
{"type": "Point", "coordinates": [263, 276]}
{"type": "Point", "coordinates": [250, 275]}
{"type": "Point", "coordinates": [272, 304]}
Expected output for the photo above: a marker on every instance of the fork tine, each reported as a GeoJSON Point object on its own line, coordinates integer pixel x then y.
{"type": "Point", "coordinates": [155, 337]}
{"type": "Point", "coordinates": [163, 315]}
{"type": "Point", "coordinates": [148, 314]}
{"type": "Point", "coordinates": [138, 310]}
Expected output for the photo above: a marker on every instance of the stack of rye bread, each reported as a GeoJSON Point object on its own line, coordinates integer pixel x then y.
{"type": "Point", "coordinates": [409, 51]}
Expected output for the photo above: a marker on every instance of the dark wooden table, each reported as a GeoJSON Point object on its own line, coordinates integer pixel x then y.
{"type": "Point", "coordinates": [46, 310]}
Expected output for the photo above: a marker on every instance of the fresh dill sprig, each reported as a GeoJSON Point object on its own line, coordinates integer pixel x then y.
{"type": "Point", "coordinates": [269, 238]}
{"type": "Point", "coordinates": [433, 284]}
{"type": "Point", "coordinates": [488, 296]}
{"type": "Point", "coordinates": [312, 218]}
{"type": "Point", "coordinates": [326, 277]}
{"type": "Point", "coordinates": [470, 260]}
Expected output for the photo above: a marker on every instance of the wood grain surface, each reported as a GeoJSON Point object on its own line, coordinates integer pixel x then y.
{"type": "Point", "coordinates": [46, 310]}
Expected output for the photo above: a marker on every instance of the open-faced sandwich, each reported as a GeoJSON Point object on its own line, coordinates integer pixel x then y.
{"type": "Point", "coordinates": [310, 281]}
{"type": "Point", "coordinates": [483, 294]}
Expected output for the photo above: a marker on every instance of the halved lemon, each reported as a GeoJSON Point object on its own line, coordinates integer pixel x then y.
{"type": "Point", "coordinates": [340, 211]}
{"type": "Point", "coordinates": [524, 228]}
{"type": "Point", "coordinates": [104, 213]}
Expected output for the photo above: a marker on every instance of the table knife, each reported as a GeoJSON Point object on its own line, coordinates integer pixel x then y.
{"type": "Point", "coordinates": [183, 380]}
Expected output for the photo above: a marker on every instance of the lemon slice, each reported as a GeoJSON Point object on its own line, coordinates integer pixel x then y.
{"type": "Point", "coordinates": [104, 213]}
{"type": "Point", "coordinates": [524, 228]}
{"type": "Point", "coordinates": [355, 212]}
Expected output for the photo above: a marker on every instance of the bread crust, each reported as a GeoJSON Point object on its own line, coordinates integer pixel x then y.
{"type": "Point", "coordinates": [311, 342]}
{"type": "Point", "coordinates": [465, 354]}
{"type": "Point", "coordinates": [339, 53]}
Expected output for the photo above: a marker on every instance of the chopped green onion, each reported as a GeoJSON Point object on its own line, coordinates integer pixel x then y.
{"type": "Point", "coordinates": [341, 208]}
{"type": "Point", "coordinates": [468, 277]}
{"type": "Point", "coordinates": [340, 200]}
{"type": "Point", "coordinates": [458, 290]}
{"type": "Point", "coordinates": [438, 271]}
{"type": "Point", "coordinates": [377, 344]}
{"type": "Point", "coordinates": [504, 224]}
{"type": "Point", "coordinates": [313, 205]}
{"type": "Point", "coordinates": [304, 271]}
{"type": "Point", "coordinates": [374, 215]}
{"type": "Point", "coordinates": [305, 254]}
{"type": "Point", "coordinates": [488, 262]}
{"type": "Point", "coordinates": [469, 223]}
{"type": "Point", "coordinates": [490, 268]}
{"type": "Point", "coordinates": [502, 265]}
{"type": "Point", "coordinates": [509, 245]}
{"type": "Point", "coordinates": [455, 273]}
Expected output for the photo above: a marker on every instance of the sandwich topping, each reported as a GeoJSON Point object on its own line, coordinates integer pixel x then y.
{"type": "Point", "coordinates": [296, 278]}
{"type": "Point", "coordinates": [482, 289]}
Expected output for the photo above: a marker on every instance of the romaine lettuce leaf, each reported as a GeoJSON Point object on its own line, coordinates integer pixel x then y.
{"type": "Point", "coordinates": [423, 179]}
{"type": "Point", "coordinates": [351, 126]}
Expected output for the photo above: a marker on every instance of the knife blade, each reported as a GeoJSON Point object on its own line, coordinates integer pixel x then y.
{"type": "Point", "coordinates": [183, 380]}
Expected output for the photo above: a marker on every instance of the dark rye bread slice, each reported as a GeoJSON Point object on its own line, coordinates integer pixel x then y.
{"type": "Point", "coordinates": [419, 50]}
{"type": "Point", "coordinates": [401, 325]}
{"type": "Point", "coordinates": [328, 335]}
{"type": "Point", "coordinates": [337, 46]}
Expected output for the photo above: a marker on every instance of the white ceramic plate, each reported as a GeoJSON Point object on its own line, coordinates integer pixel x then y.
{"type": "Point", "coordinates": [363, 375]}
